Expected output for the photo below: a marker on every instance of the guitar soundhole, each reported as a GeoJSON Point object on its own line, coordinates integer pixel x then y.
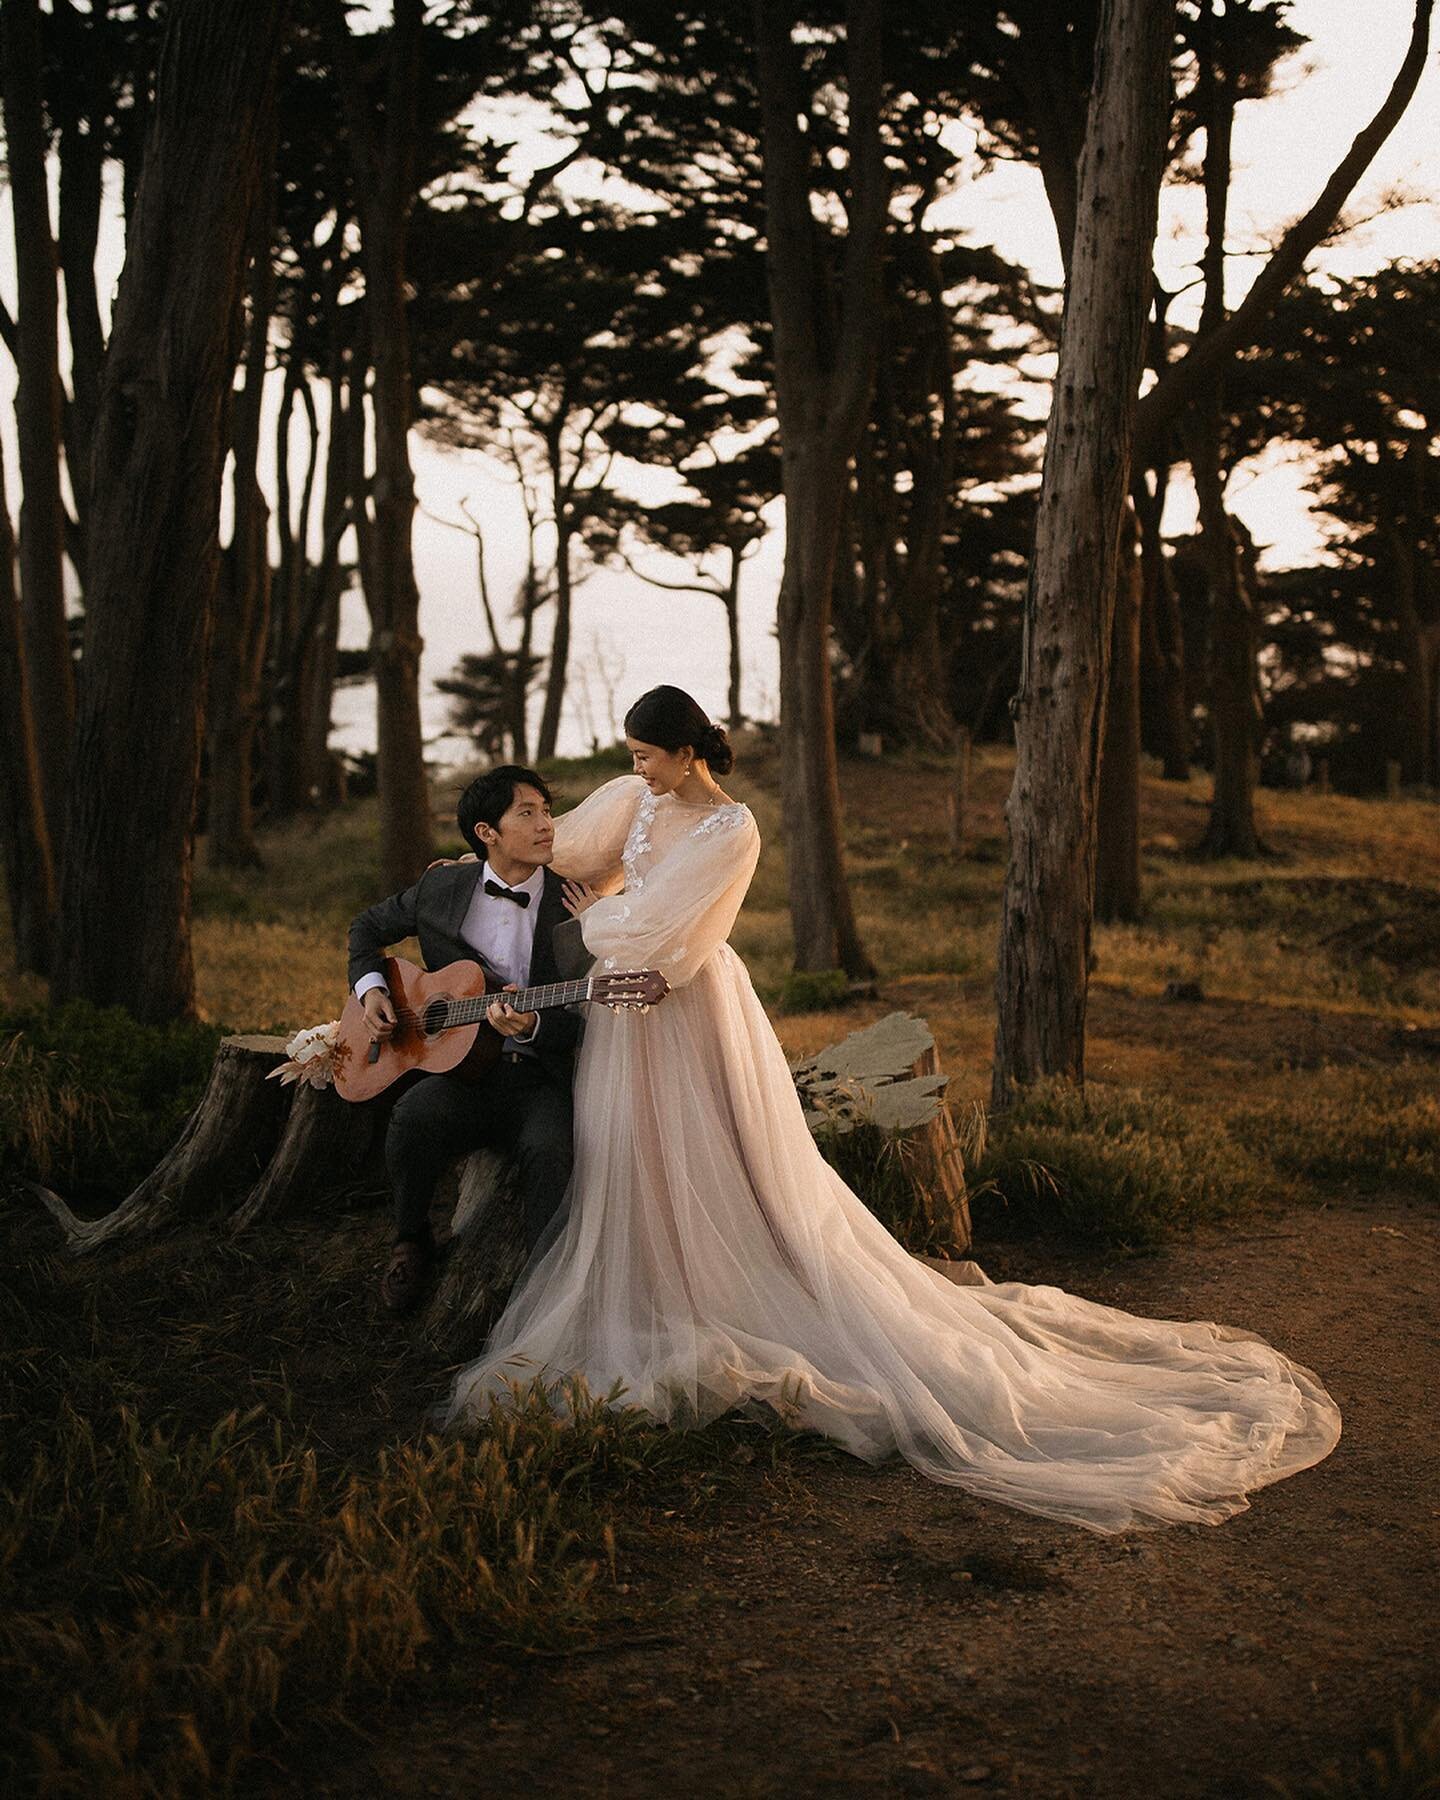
{"type": "Point", "coordinates": [433, 1018]}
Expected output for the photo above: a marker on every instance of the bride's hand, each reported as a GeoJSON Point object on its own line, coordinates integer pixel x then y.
{"type": "Point", "coordinates": [579, 897]}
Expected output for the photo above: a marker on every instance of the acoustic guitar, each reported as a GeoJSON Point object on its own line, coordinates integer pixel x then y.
{"type": "Point", "coordinates": [442, 1027]}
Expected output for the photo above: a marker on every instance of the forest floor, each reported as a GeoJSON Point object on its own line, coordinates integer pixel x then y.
{"type": "Point", "coordinates": [827, 1628]}
{"type": "Point", "coordinates": [781, 1620]}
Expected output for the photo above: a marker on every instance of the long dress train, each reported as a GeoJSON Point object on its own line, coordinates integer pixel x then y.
{"type": "Point", "coordinates": [710, 1255]}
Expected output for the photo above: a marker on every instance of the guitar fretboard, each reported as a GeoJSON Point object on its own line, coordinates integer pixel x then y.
{"type": "Point", "coordinates": [536, 999]}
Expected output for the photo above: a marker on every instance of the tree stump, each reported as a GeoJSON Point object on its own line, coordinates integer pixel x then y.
{"type": "Point", "coordinates": [328, 1149]}
{"type": "Point", "coordinates": [226, 1143]}
{"type": "Point", "coordinates": [888, 1075]}
{"type": "Point", "coordinates": [485, 1253]}
{"type": "Point", "coordinates": [256, 1151]}
{"type": "Point", "coordinates": [252, 1149]}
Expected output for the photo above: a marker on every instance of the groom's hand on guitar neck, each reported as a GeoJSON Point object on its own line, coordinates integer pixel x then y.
{"type": "Point", "coordinates": [507, 1021]}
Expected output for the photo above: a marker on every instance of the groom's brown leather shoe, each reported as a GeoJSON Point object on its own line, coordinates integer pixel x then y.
{"type": "Point", "coordinates": [404, 1279]}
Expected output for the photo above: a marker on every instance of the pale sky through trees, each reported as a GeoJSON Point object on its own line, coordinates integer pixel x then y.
{"type": "Point", "coordinates": [1284, 149]}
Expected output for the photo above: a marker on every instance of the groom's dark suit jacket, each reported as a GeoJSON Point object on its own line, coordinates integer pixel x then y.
{"type": "Point", "coordinates": [434, 911]}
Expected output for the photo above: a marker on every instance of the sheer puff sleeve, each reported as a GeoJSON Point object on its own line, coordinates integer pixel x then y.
{"type": "Point", "coordinates": [675, 917]}
{"type": "Point", "coordinates": [590, 838]}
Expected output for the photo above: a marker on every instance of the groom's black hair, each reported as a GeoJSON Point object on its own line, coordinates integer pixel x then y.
{"type": "Point", "coordinates": [487, 800]}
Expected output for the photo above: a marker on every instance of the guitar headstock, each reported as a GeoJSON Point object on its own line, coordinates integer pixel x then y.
{"type": "Point", "coordinates": [633, 988]}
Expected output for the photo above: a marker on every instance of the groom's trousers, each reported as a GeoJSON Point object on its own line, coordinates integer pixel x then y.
{"type": "Point", "coordinates": [518, 1109]}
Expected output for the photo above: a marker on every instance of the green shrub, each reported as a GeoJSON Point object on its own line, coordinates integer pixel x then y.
{"type": "Point", "coordinates": [1116, 1165]}
{"type": "Point", "coordinates": [814, 990]}
{"type": "Point", "coordinates": [1356, 1132]}
{"type": "Point", "coordinates": [878, 1166]}
{"type": "Point", "coordinates": [90, 1100]}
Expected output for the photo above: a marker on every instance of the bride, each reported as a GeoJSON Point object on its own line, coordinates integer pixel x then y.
{"type": "Point", "coordinates": [710, 1256]}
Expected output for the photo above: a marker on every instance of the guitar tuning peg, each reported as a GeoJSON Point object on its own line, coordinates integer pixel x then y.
{"type": "Point", "coordinates": [644, 1007]}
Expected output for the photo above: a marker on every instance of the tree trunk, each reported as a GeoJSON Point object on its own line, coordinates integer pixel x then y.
{"type": "Point", "coordinates": [822, 917]}
{"type": "Point", "coordinates": [1419, 638]}
{"type": "Point", "coordinates": [560, 640]}
{"type": "Point", "coordinates": [242, 618]}
{"type": "Point", "coordinates": [321, 629]}
{"type": "Point", "coordinates": [252, 1150]}
{"type": "Point", "coordinates": [919, 674]}
{"type": "Point", "coordinates": [1117, 864]}
{"type": "Point", "coordinates": [1236, 714]}
{"type": "Point", "coordinates": [1418, 650]}
{"type": "Point", "coordinates": [825, 348]}
{"type": "Point", "coordinates": [1164, 701]}
{"type": "Point", "coordinates": [82, 106]}
{"type": "Point", "coordinates": [734, 713]}
{"type": "Point", "coordinates": [287, 597]}
{"type": "Point", "coordinates": [38, 412]}
{"type": "Point", "coordinates": [520, 699]}
{"type": "Point", "coordinates": [888, 1075]}
{"type": "Point", "coordinates": [1043, 973]}
{"type": "Point", "coordinates": [160, 446]}
{"type": "Point", "coordinates": [24, 835]}
{"type": "Point", "coordinates": [385, 184]}
{"type": "Point", "coordinates": [326, 1151]}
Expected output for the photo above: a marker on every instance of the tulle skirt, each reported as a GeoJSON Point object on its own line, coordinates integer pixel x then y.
{"type": "Point", "coordinates": [709, 1256]}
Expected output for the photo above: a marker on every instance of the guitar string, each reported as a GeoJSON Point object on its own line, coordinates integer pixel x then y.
{"type": "Point", "coordinates": [537, 999]}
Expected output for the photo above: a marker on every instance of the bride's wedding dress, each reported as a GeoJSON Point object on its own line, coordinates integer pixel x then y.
{"type": "Point", "coordinates": [711, 1256]}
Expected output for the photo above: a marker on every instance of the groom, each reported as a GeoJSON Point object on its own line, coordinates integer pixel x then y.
{"type": "Point", "coordinates": [501, 912]}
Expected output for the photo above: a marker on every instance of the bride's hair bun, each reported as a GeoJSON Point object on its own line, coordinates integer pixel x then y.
{"type": "Point", "coordinates": [714, 748]}
{"type": "Point", "coordinates": [667, 716]}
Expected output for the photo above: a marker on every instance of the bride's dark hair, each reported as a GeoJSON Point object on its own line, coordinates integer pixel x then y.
{"type": "Point", "coordinates": [667, 716]}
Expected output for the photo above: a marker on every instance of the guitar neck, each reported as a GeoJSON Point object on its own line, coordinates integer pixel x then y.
{"type": "Point", "coordinates": [535, 999]}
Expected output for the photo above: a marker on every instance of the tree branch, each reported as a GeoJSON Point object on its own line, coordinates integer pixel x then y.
{"type": "Point", "coordinates": [1184, 378]}
{"type": "Point", "coordinates": [860, 309]}
{"type": "Point", "coordinates": [716, 592]}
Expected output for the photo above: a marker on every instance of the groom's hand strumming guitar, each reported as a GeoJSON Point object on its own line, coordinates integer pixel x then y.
{"type": "Point", "coordinates": [379, 1014]}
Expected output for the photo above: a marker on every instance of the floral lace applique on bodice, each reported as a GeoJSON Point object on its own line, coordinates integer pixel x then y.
{"type": "Point", "coordinates": [662, 822]}
{"type": "Point", "coordinates": [662, 827]}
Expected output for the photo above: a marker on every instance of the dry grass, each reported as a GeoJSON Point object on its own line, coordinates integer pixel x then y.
{"type": "Point", "coordinates": [1316, 966]}
{"type": "Point", "coordinates": [222, 1543]}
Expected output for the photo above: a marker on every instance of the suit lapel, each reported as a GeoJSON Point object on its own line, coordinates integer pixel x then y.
{"type": "Point", "coordinates": [460, 901]}
{"type": "Point", "coordinates": [548, 915]}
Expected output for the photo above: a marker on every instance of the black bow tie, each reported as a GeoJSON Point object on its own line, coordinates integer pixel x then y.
{"type": "Point", "coordinates": [504, 893]}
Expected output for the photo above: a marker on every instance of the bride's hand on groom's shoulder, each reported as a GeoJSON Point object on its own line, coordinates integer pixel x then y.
{"type": "Point", "coordinates": [450, 862]}
{"type": "Point", "coordinates": [579, 897]}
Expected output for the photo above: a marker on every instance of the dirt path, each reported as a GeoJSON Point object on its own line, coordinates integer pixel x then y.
{"type": "Point", "coordinates": [837, 1629]}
